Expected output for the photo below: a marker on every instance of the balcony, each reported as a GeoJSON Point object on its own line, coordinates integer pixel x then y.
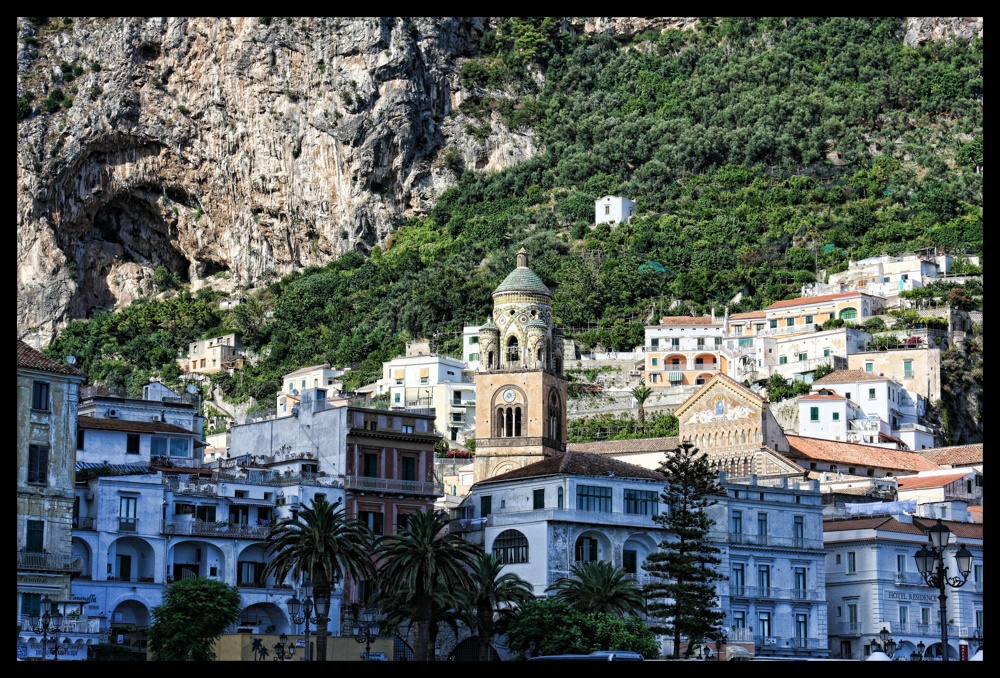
{"type": "Point", "coordinates": [742, 538]}
{"type": "Point", "coordinates": [909, 579]}
{"type": "Point", "coordinates": [128, 524]}
{"type": "Point", "coordinates": [49, 562]}
{"type": "Point", "coordinates": [71, 625]}
{"type": "Point", "coordinates": [216, 529]}
{"type": "Point", "coordinates": [392, 486]}
{"type": "Point", "coordinates": [83, 522]}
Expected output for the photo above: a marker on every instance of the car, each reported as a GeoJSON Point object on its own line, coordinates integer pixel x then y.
{"type": "Point", "coordinates": [599, 656]}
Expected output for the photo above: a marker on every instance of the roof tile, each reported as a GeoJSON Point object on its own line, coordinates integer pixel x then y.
{"type": "Point", "coordinates": [30, 358]}
{"type": "Point", "coordinates": [857, 455]}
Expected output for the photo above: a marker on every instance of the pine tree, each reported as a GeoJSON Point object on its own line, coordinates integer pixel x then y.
{"type": "Point", "coordinates": [684, 600]}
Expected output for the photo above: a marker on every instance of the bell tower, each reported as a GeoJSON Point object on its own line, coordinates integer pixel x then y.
{"type": "Point", "coordinates": [520, 389]}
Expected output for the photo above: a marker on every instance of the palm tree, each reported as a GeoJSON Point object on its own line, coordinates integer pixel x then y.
{"type": "Point", "coordinates": [599, 586]}
{"type": "Point", "coordinates": [321, 545]}
{"type": "Point", "coordinates": [419, 562]}
{"type": "Point", "coordinates": [641, 393]}
{"type": "Point", "coordinates": [492, 594]}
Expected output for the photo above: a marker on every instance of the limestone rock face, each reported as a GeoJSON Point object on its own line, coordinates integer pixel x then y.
{"type": "Point", "coordinates": [920, 30]}
{"type": "Point", "coordinates": [211, 145]}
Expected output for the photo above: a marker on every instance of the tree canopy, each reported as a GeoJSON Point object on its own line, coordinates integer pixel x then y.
{"type": "Point", "coordinates": [194, 615]}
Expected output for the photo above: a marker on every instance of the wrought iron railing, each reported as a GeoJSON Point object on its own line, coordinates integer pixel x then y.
{"type": "Point", "coordinates": [49, 562]}
{"type": "Point", "coordinates": [367, 484]}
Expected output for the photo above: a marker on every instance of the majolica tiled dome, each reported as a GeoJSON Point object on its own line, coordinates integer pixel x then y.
{"type": "Point", "coordinates": [523, 279]}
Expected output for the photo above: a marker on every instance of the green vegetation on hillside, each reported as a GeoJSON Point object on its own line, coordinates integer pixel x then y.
{"type": "Point", "coordinates": [758, 151]}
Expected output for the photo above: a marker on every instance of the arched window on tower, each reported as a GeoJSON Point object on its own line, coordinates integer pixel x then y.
{"type": "Point", "coordinates": [498, 423]}
{"type": "Point", "coordinates": [541, 357]}
{"type": "Point", "coordinates": [555, 416]}
{"type": "Point", "coordinates": [559, 498]}
{"type": "Point", "coordinates": [489, 360]}
{"type": "Point", "coordinates": [513, 354]}
{"type": "Point", "coordinates": [508, 423]}
{"type": "Point", "coordinates": [517, 421]}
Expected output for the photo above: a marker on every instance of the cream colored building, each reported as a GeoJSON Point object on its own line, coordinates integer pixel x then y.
{"type": "Point", "coordinates": [48, 397]}
{"type": "Point", "coordinates": [917, 369]}
{"type": "Point", "coordinates": [213, 355]}
{"type": "Point", "coordinates": [421, 381]}
{"type": "Point", "coordinates": [683, 351]}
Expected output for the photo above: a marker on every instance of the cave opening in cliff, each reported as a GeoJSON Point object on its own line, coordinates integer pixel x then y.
{"type": "Point", "coordinates": [131, 222]}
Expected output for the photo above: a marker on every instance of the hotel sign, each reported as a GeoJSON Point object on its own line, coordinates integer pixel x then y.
{"type": "Point", "coordinates": [911, 596]}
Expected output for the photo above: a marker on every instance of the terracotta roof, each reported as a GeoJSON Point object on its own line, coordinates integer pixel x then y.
{"type": "Point", "coordinates": [30, 358]}
{"type": "Point", "coordinates": [748, 314]}
{"type": "Point", "coordinates": [688, 320]}
{"type": "Point", "coordinates": [631, 446]}
{"type": "Point", "coordinates": [955, 455]}
{"type": "Point", "coordinates": [806, 301]}
{"type": "Point", "coordinates": [821, 396]}
{"type": "Point", "coordinates": [976, 513]}
{"type": "Point", "coordinates": [959, 530]}
{"type": "Point", "coordinates": [302, 370]}
{"type": "Point", "coordinates": [848, 377]}
{"type": "Point", "coordinates": [99, 424]}
{"type": "Point", "coordinates": [856, 455]}
{"type": "Point", "coordinates": [936, 480]}
{"type": "Point", "coordinates": [578, 464]}
{"type": "Point", "coordinates": [880, 523]}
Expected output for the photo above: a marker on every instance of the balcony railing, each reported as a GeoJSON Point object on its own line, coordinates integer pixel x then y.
{"type": "Point", "coordinates": [846, 628]}
{"type": "Point", "coordinates": [49, 562]}
{"type": "Point", "coordinates": [216, 529]}
{"type": "Point", "coordinates": [128, 524]}
{"type": "Point", "coordinates": [909, 578]}
{"type": "Point", "coordinates": [392, 485]}
{"type": "Point", "coordinates": [71, 625]}
{"type": "Point", "coordinates": [766, 540]}
{"type": "Point", "coordinates": [83, 522]}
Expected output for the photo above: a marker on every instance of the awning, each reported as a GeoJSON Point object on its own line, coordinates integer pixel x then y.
{"type": "Point", "coordinates": [675, 376]}
{"type": "Point", "coordinates": [425, 371]}
{"type": "Point", "coordinates": [245, 501]}
{"type": "Point", "coordinates": [398, 374]}
{"type": "Point", "coordinates": [114, 469]}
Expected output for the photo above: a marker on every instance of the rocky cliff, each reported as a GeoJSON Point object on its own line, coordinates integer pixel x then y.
{"type": "Point", "coordinates": [232, 150]}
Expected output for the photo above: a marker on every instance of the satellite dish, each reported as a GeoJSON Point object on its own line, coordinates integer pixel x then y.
{"type": "Point", "coordinates": [295, 392]}
{"type": "Point", "coordinates": [192, 389]}
{"type": "Point", "coordinates": [71, 359]}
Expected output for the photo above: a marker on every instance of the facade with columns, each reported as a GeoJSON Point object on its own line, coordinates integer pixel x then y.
{"type": "Point", "coordinates": [520, 389]}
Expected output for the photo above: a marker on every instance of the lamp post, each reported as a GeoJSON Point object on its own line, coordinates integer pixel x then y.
{"type": "Point", "coordinates": [918, 656]}
{"type": "Point", "coordinates": [45, 623]}
{"type": "Point", "coordinates": [306, 606]}
{"type": "Point", "coordinates": [365, 629]}
{"type": "Point", "coordinates": [887, 644]}
{"type": "Point", "coordinates": [282, 650]}
{"type": "Point", "coordinates": [930, 564]}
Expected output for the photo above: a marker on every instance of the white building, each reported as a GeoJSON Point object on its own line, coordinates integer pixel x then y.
{"type": "Point", "coordinates": [683, 351]}
{"type": "Point", "coordinates": [470, 347]}
{"type": "Point", "coordinates": [159, 404]}
{"type": "Point", "coordinates": [321, 381]}
{"type": "Point", "coordinates": [872, 583]}
{"type": "Point", "coordinates": [613, 210]}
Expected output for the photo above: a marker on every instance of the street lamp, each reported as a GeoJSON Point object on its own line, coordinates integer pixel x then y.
{"type": "Point", "coordinates": [918, 656]}
{"type": "Point", "coordinates": [888, 645]}
{"type": "Point", "coordinates": [45, 623]}
{"type": "Point", "coordinates": [306, 606]}
{"type": "Point", "coordinates": [365, 629]}
{"type": "Point", "coordinates": [930, 564]}
{"type": "Point", "coordinates": [282, 650]}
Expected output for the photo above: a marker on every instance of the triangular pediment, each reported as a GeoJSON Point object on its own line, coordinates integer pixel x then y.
{"type": "Point", "coordinates": [720, 401]}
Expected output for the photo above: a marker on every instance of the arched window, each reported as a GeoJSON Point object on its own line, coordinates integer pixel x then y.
{"type": "Point", "coordinates": [541, 355]}
{"type": "Point", "coordinates": [489, 360]}
{"type": "Point", "coordinates": [517, 422]}
{"type": "Point", "coordinates": [849, 314]}
{"type": "Point", "coordinates": [513, 355]}
{"type": "Point", "coordinates": [511, 547]}
{"type": "Point", "coordinates": [498, 424]}
{"type": "Point", "coordinates": [509, 422]}
{"type": "Point", "coordinates": [554, 416]}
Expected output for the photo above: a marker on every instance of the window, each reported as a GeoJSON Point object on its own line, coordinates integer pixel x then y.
{"type": "Point", "coordinates": [925, 615]}
{"type": "Point", "coordinates": [630, 561]}
{"type": "Point", "coordinates": [908, 369]}
{"type": "Point", "coordinates": [675, 342]}
{"type": "Point", "coordinates": [127, 518]}
{"type": "Point", "coordinates": [374, 520]}
{"type": "Point", "coordinates": [701, 342]}
{"type": "Point", "coordinates": [774, 324]}
{"type": "Point", "coordinates": [848, 395]}
{"type": "Point", "coordinates": [852, 615]}
{"type": "Point", "coordinates": [904, 615]}
{"type": "Point", "coordinates": [813, 414]}
{"type": "Point", "coordinates": [783, 360]}
{"type": "Point", "coordinates": [736, 524]}
{"type": "Point", "coordinates": [406, 428]}
{"type": "Point", "coordinates": [977, 573]}
{"type": "Point", "coordinates": [586, 550]}
{"type": "Point", "coordinates": [369, 465]}
{"type": "Point", "coordinates": [799, 530]}
{"type": "Point", "coordinates": [801, 626]}
{"type": "Point", "coordinates": [655, 362]}
{"type": "Point", "coordinates": [764, 623]}
{"type": "Point", "coordinates": [538, 499]}
{"type": "Point", "coordinates": [739, 619]}
{"type": "Point", "coordinates": [308, 468]}
{"type": "Point", "coordinates": [38, 464]}
{"type": "Point", "coordinates": [738, 330]}
{"type": "Point", "coordinates": [511, 547]}
{"type": "Point", "coordinates": [826, 353]}
{"type": "Point", "coordinates": [789, 322]}
{"type": "Point", "coordinates": [746, 341]}
{"type": "Point", "coordinates": [871, 394]}
{"type": "Point", "coordinates": [762, 527]}
{"type": "Point", "coordinates": [764, 580]}
{"type": "Point", "coordinates": [800, 582]}
{"type": "Point", "coordinates": [34, 538]}
{"type": "Point", "coordinates": [424, 380]}
{"type": "Point", "coordinates": [456, 398]}
{"type": "Point", "coordinates": [132, 443]}
{"type": "Point", "coordinates": [654, 342]}
{"type": "Point", "coordinates": [559, 498]}
{"type": "Point", "coordinates": [408, 468]}
{"type": "Point", "coordinates": [40, 396]}
{"type": "Point", "coordinates": [607, 209]}
{"type": "Point", "coordinates": [640, 502]}
{"type": "Point", "coordinates": [900, 563]}
{"type": "Point", "coordinates": [250, 573]}
{"type": "Point", "coordinates": [395, 397]}
{"type": "Point", "coordinates": [454, 434]}
{"type": "Point", "coordinates": [169, 447]}
{"type": "Point", "coordinates": [79, 438]}
{"type": "Point", "coordinates": [759, 327]}
{"type": "Point", "coordinates": [473, 341]}
{"type": "Point", "coordinates": [836, 416]}
{"type": "Point", "coordinates": [852, 562]}
{"type": "Point", "coordinates": [738, 579]}
{"type": "Point", "coordinates": [593, 498]}
{"type": "Point", "coordinates": [849, 314]}
{"type": "Point", "coordinates": [718, 342]}
{"type": "Point", "coordinates": [485, 505]}
{"type": "Point", "coordinates": [869, 367]}
{"type": "Point", "coordinates": [809, 320]}
{"type": "Point", "coordinates": [31, 604]}
{"type": "Point", "coordinates": [803, 357]}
